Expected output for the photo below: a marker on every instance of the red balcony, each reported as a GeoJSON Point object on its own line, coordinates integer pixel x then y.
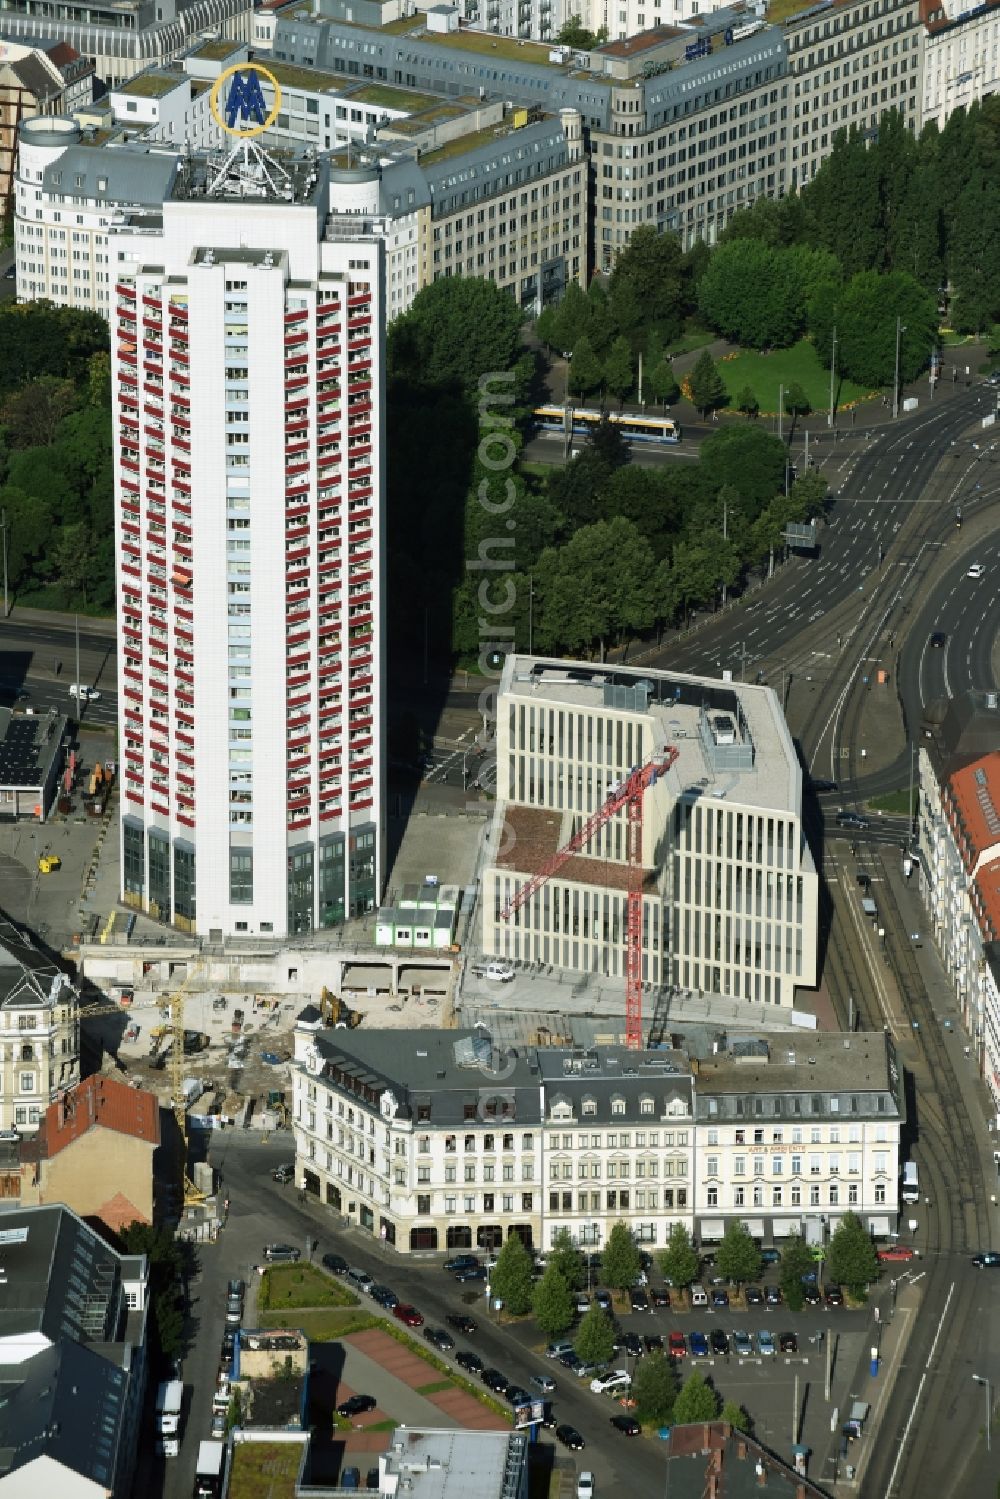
{"type": "Point", "coordinates": [297, 382]}
{"type": "Point", "coordinates": [148, 301]}
{"type": "Point", "coordinates": [182, 577]}
{"type": "Point", "coordinates": [125, 291]}
{"type": "Point", "coordinates": [294, 339]}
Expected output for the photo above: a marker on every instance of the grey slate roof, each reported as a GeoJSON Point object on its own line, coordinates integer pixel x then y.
{"type": "Point", "coordinates": [425, 1068]}
{"type": "Point", "coordinates": [134, 173]}
{"type": "Point", "coordinates": [28, 976]}
{"type": "Point", "coordinates": [67, 1405]}
{"type": "Point", "coordinates": [59, 1277]}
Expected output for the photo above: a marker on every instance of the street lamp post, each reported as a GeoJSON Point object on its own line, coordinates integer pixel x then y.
{"type": "Point", "coordinates": [900, 330]}
{"type": "Point", "coordinates": [981, 1379]}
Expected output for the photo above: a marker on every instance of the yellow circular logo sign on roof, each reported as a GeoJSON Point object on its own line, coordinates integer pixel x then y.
{"type": "Point", "coordinates": [245, 113]}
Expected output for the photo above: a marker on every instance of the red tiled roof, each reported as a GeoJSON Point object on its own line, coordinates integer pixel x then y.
{"type": "Point", "coordinates": [986, 900]}
{"type": "Point", "coordinates": [104, 1101]}
{"type": "Point", "coordinates": [62, 53]}
{"type": "Point", "coordinates": [975, 798]}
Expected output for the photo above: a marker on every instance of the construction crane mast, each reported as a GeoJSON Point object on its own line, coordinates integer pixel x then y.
{"type": "Point", "coordinates": [627, 795]}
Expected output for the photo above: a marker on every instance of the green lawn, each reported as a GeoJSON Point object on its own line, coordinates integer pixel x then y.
{"type": "Point", "coordinates": [285, 1288]}
{"type": "Point", "coordinates": [697, 338]}
{"type": "Point", "coordinates": [324, 1326]}
{"type": "Point", "coordinates": [766, 373]}
{"type": "Point", "coordinates": [894, 802]}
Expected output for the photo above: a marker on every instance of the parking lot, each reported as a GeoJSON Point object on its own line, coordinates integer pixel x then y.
{"type": "Point", "coordinates": [766, 1384]}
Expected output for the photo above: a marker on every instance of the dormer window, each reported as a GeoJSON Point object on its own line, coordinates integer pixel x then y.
{"type": "Point", "coordinates": [589, 1108]}
{"type": "Point", "coordinates": [617, 1106]}
{"type": "Point", "coordinates": [646, 1106]}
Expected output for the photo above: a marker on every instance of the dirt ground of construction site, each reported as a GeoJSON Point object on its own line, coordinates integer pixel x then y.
{"type": "Point", "coordinates": [241, 1044]}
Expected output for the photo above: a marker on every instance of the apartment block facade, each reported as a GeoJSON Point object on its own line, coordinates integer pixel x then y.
{"type": "Point", "coordinates": [465, 1143]}
{"type": "Point", "coordinates": [247, 361]}
{"type": "Point", "coordinates": [729, 886]}
{"type": "Point", "coordinates": [39, 1031]}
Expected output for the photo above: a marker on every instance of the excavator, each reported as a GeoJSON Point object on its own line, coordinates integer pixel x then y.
{"type": "Point", "coordinates": [335, 1012]}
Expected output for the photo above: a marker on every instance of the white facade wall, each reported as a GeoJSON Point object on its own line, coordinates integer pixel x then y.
{"type": "Point", "coordinates": [961, 59]}
{"type": "Point", "coordinates": [249, 532]}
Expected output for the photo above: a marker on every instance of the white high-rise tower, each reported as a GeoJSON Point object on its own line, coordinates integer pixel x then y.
{"type": "Point", "coordinates": [248, 339]}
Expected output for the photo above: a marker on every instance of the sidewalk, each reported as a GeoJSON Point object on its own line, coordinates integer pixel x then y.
{"type": "Point", "coordinates": [898, 1313]}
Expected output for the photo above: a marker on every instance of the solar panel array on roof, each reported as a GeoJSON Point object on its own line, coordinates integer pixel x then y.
{"type": "Point", "coordinates": [986, 806]}
{"type": "Point", "coordinates": [19, 757]}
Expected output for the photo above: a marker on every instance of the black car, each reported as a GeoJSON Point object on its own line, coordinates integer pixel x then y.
{"type": "Point", "coordinates": [811, 1295]}
{"type": "Point", "coordinates": [788, 1343]}
{"type": "Point", "coordinates": [382, 1296]}
{"type": "Point", "coordinates": [821, 785]}
{"type": "Point", "coordinates": [720, 1298]}
{"type": "Point", "coordinates": [371, 1479]}
{"type": "Point", "coordinates": [470, 1361]}
{"type": "Point", "coordinates": [357, 1405]}
{"type": "Point", "coordinates": [439, 1338]}
{"type": "Point", "coordinates": [754, 1296]}
{"type": "Point", "coordinates": [627, 1425]}
{"type": "Point", "coordinates": [984, 1261]}
{"type": "Point", "coordinates": [659, 1296]}
{"type": "Point", "coordinates": [276, 1252]}
{"type": "Point", "coordinates": [937, 640]}
{"type": "Point", "coordinates": [852, 820]}
{"type": "Point", "coordinates": [719, 1340]}
{"type": "Point", "coordinates": [495, 1381]}
{"type": "Point", "coordinates": [570, 1360]}
{"type": "Point", "coordinates": [335, 1263]}
{"type": "Point", "coordinates": [773, 1296]}
{"type": "Point", "coordinates": [471, 1272]}
{"type": "Point", "coordinates": [570, 1437]}
{"type": "Point", "coordinates": [639, 1300]}
{"type": "Point", "coordinates": [548, 1416]}
{"type": "Point", "coordinates": [633, 1345]}
{"type": "Point", "coordinates": [461, 1323]}
{"type": "Point", "coordinates": [603, 1299]}
{"type": "Point", "coordinates": [653, 1342]}
{"type": "Point", "coordinates": [461, 1262]}
{"type": "Point", "coordinates": [517, 1395]}
{"type": "Point", "coordinates": [834, 1296]}
{"type": "Point", "coordinates": [228, 1343]}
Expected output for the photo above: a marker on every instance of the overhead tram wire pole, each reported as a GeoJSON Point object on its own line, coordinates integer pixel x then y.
{"type": "Point", "coordinates": [833, 378]}
{"type": "Point", "coordinates": [900, 330]}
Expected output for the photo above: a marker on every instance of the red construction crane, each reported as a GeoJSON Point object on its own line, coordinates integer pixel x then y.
{"type": "Point", "coordinates": [628, 794]}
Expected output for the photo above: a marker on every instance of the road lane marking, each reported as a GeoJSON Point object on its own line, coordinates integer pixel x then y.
{"type": "Point", "coordinates": [916, 1401]}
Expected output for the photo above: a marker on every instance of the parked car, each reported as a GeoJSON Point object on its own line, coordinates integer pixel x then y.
{"type": "Point", "coordinates": [274, 1253]}
{"type": "Point", "coordinates": [677, 1345]}
{"type": "Point", "coordinates": [638, 1300]}
{"type": "Point", "coordinates": [633, 1345]}
{"type": "Point", "coordinates": [335, 1263]}
{"type": "Point", "coordinates": [517, 1395]}
{"type": "Point", "coordinates": [617, 1379]}
{"type": "Point", "coordinates": [461, 1323]}
{"type": "Point", "coordinates": [461, 1262]}
{"type": "Point", "coordinates": [569, 1437]}
{"type": "Point", "coordinates": [440, 1339]}
{"type": "Point", "coordinates": [652, 1342]}
{"type": "Point", "coordinates": [742, 1343]}
{"type": "Point", "coordinates": [495, 1381]}
{"type": "Point", "coordinates": [571, 1360]}
{"type": "Point", "coordinates": [469, 1361]}
{"type": "Point", "coordinates": [719, 1340]}
{"type": "Point", "coordinates": [765, 1342]}
{"type": "Point", "coordinates": [582, 1303]}
{"type": "Point", "coordinates": [556, 1350]}
{"type": "Point", "coordinates": [228, 1343]}
{"type": "Point", "coordinates": [356, 1405]}
{"type": "Point", "coordinates": [987, 1260]}
{"type": "Point", "coordinates": [904, 1252]}
{"type": "Point", "coordinates": [788, 1343]}
{"type": "Point", "coordinates": [361, 1279]}
{"type": "Point", "coordinates": [372, 1479]}
{"type": "Point", "coordinates": [773, 1296]}
{"type": "Point", "coordinates": [284, 1173]}
{"type": "Point", "coordinates": [770, 1256]}
{"type": "Point", "coordinates": [350, 1478]}
{"type": "Point", "coordinates": [543, 1382]}
{"type": "Point", "coordinates": [834, 1296]}
{"type": "Point", "coordinates": [408, 1314]}
{"type": "Point", "coordinates": [811, 1295]}
{"type": "Point", "coordinates": [603, 1299]}
{"type": "Point", "coordinates": [720, 1297]}
{"type": "Point", "coordinates": [627, 1425]}
{"type": "Point", "coordinates": [754, 1296]}
{"type": "Point", "coordinates": [585, 1486]}
{"type": "Point", "coordinates": [699, 1345]}
{"type": "Point", "coordinates": [472, 1272]}
{"type": "Point", "coordinates": [659, 1296]}
{"type": "Point", "coordinates": [383, 1296]}
{"type": "Point", "coordinates": [218, 1425]}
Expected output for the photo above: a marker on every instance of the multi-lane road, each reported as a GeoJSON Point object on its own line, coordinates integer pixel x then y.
{"type": "Point", "coordinates": [39, 659]}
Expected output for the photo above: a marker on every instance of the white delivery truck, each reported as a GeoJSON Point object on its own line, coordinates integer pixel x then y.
{"type": "Point", "coordinates": [910, 1190]}
{"type": "Point", "coordinates": [169, 1400]}
{"type": "Point", "coordinates": [208, 1474]}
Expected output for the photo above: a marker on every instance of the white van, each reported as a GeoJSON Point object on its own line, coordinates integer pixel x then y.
{"type": "Point", "coordinates": [911, 1183]}
{"type": "Point", "coordinates": [499, 973]}
{"type": "Point", "coordinates": [699, 1296]}
{"type": "Point", "coordinates": [85, 694]}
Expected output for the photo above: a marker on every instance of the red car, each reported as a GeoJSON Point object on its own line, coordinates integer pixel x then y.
{"type": "Point", "coordinates": [676, 1345]}
{"type": "Point", "coordinates": [408, 1314]}
{"type": "Point", "coordinates": [897, 1252]}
